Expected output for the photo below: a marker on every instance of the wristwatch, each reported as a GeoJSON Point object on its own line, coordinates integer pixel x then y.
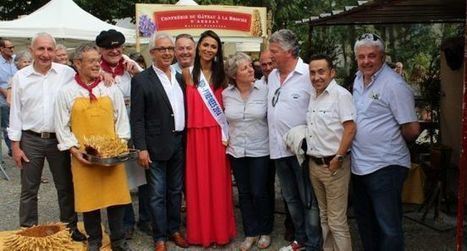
{"type": "Point", "coordinates": [340, 158]}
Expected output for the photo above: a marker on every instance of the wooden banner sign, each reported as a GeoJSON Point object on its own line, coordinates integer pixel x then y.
{"type": "Point", "coordinates": [234, 21]}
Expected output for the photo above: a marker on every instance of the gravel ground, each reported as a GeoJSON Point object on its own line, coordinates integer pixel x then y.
{"type": "Point", "coordinates": [417, 236]}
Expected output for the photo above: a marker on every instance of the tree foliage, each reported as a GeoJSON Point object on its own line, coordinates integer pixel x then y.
{"type": "Point", "coordinates": [414, 45]}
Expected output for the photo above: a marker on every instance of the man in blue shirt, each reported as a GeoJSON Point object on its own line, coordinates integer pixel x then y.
{"type": "Point", "coordinates": [7, 70]}
{"type": "Point", "coordinates": [385, 121]}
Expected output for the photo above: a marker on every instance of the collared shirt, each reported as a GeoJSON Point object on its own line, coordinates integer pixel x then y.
{"type": "Point", "coordinates": [263, 80]}
{"type": "Point", "coordinates": [326, 114]}
{"type": "Point", "coordinates": [382, 107]}
{"type": "Point", "coordinates": [33, 98]}
{"type": "Point", "coordinates": [177, 68]}
{"type": "Point", "coordinates": [175, 94]}
{"type": "Point", "coordinates": [290, 106]}
{"type": "Point", "coordinates": [64, 103]}
{"type": "Point", "coordinates": [123, 82]}
{"type": "Point", "coordinates": [7, 70]}
{"type": "Point", "coordinates": [248, 126]}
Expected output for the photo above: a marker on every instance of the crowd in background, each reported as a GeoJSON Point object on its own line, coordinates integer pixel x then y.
{"type": "Point", "coordinates": [197, 117]}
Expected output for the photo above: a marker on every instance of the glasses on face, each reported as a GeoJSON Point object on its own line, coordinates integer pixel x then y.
{"type": "Point", "coordinates": [275, 98]}
{"type": "Point", "coordinates": [10, 47]}
{"type": "Point", "coordinates": [370, 36]}
{"type": "Point", "coordinates": [164, 49]}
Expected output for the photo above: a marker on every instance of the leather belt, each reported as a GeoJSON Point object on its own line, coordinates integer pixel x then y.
{"type": "Point", "coordinates": [322, 160]}
{"type": "Point", "coordinates": [42, 135]}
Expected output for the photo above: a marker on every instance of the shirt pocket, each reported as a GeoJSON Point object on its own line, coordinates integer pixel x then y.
{"type": "Point", "coordinates": [256, 109]}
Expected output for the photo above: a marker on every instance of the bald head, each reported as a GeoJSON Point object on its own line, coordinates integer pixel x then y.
{"type": "Point", "coordinates": [266, 62]}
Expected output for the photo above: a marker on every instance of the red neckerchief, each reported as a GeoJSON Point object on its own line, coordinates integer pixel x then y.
{"type": "Point", "coordinates": [92, 97]}
{"type": "Point", "coordinates": [117, 71]}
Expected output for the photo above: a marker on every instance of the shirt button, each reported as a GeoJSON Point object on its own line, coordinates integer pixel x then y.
{"type": "Point", "coordinates": [172, 114]}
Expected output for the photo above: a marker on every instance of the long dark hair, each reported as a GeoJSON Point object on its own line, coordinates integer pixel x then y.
{"type": "Point", "coordinates": [218, 74]}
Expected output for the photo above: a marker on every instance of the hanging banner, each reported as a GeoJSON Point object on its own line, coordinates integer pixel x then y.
{"type": "Point", "coordinates": [233, 21]}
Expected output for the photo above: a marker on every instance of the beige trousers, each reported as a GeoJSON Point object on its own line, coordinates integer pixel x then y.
{"type": "Point", "coordinates": [332, 194]}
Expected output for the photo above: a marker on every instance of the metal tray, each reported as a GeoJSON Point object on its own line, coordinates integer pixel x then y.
{"type": "Point", "coordinates": [112, 161]}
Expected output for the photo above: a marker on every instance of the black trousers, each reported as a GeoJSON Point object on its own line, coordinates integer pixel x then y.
{"type": "Point", "coordinates": [92, 224]}
{"type": "Point", "coordinates": [37, 150]}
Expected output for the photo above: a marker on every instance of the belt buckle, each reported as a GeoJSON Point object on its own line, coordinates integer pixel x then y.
{"type": "Point", "coordinates": [323, 161]}
{"type": "Point", "coordinates": [45, 135]}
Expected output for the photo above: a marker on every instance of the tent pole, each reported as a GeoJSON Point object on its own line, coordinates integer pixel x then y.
{"type": "Point", "coordinates": [463, 157]}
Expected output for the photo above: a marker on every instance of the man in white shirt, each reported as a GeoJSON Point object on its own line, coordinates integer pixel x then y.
{"type": "Point", "coordinates": [184, 52]}
{"type": "Point", "coordinates": [288, 97]}
{"type": "Point", "coordinates": [330, 130]}
{"type": "Point", "coordinates": [122, 69]}
{"type": "Point", "coordinates": [157, 126]}
{"type": "Point", "coordinates": [32, 132]}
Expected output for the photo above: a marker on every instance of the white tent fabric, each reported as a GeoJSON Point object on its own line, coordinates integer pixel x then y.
{"type": "Point", "coordinates": [61, 19]}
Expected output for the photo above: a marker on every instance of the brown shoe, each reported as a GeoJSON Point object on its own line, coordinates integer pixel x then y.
{"type": "Point", "coordinates": [160, 246]}
{"type": "Point", "coordinates": [179, 240]}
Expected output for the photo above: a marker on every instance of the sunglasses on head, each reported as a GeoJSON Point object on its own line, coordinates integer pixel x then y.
{"type": "Point", "coordinates": [370, 36]}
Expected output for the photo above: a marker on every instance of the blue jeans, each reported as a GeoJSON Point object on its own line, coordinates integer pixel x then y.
{"type": "Point", "coordinates": [252, 175]}
{"type": "Point", "coordinates": [5, 122]}
{"type": "Point", "coordinates": [143, 208]}
{"type": "Point", "coordinates": [378, 208]}
{"type": "Point", "coordinates": [301, 202]}
{"type": "Point", "coordinates": [165, 180]}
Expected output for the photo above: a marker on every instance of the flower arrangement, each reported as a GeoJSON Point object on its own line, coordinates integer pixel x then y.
{"type": "Point", "coordinates": [145, 26]}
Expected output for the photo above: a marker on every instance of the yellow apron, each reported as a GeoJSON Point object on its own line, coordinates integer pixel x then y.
{"type": "Point", "coordinates": [96, 186]}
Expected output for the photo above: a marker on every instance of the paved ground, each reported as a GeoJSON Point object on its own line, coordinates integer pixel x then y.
{"type": "Point", "coordinates": [417, 236]}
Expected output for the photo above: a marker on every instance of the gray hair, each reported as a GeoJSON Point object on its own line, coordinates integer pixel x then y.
{"type": "Point", "coordinates": [42, 34]}
{"type": "Point", "coordinates": [287, 39]}
{"type": "Point", "coordinates": [78, 54]}
{"type": "Point", "coordinates": [369, 40]}
{"type": "Point", "coordinates": [231, 65]}
{"type": "Point", "coordinates": [60, 47]}
{"type": "Point", "coordinates": [156, 36]}
{"type": "Point", "coordinates": [22, 55]}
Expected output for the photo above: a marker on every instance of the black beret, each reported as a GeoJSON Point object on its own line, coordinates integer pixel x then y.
{"type": "Point", "coordinates": [110, 39]}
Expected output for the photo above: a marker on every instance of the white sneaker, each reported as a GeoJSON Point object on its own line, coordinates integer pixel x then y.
{"type": "Point", "coordinates": [294, 246]}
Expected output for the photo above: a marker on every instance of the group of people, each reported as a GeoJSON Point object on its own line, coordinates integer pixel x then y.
{"type": "Point", "coordinates": [195, 120]}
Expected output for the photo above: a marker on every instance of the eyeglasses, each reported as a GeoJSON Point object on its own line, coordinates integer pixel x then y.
{"type": "Point", "coordinates": [275, 98]}
{"type": "Point", "coordinates": [9, 47]}
{"type": "Point", "coordinates": [164, 49]}
{"type": "Point", "coordinates": [370, 36]}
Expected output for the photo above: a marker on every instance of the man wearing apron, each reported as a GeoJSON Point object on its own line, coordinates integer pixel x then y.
{"type": "Point", "coordinates": [85, 107]}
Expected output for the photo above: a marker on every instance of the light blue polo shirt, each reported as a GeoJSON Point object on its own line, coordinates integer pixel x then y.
{"type": "Point", "coordinates": [382, 107]}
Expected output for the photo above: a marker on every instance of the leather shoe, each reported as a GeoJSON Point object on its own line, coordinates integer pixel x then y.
{"type": "Point", "coordinates": [160, 246]}
{"type": "Point", "coordinates": [179, 240]}
{"type": "Point", "coordinates": [76, 235]}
